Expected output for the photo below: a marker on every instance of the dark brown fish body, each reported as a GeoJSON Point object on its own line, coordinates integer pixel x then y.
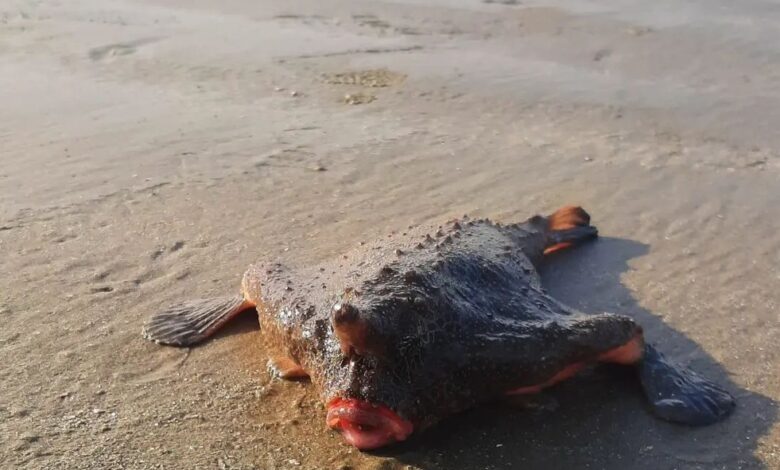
{"type": "Point", "coordinates": [431, 321]}
{"type": "Point", "coordinates": [445, 314]}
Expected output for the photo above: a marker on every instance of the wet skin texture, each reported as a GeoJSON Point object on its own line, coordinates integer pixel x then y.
{"type": "Point", "coordinates": [398, 334]}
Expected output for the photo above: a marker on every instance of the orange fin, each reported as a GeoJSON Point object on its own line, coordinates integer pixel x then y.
{"type": "Point", "coordinates": [559, 376]}
{"type": "Point", "coordinates": [286, 368]}
{"type": "Point", "coordinates": [568, 217]}
{"type": "Point", "coordinates": [629, 353]}
{"type": "Point", "coordinates": [568, 226]}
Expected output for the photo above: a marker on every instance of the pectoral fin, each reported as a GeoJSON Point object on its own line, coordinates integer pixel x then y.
{"type": "Point", "coordinates": [191, 322]}
{"type": "Point", "coordinates": [680, 395]}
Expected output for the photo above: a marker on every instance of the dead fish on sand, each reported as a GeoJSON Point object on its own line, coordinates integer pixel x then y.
{"type": "Point", "coordinates": [398, 334]}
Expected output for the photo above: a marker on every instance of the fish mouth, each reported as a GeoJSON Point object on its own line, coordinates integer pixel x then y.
{"type": "Point", "coordinates": [366, 425]}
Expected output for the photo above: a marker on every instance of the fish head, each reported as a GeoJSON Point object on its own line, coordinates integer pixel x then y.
{"type": "Point", "coordinates": [392, 370]}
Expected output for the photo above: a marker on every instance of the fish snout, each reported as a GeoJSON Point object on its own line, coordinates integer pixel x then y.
{"type": "Point", "coordinates": [356, 335]}
{"type": "Point", "coordinates": [366, 425]}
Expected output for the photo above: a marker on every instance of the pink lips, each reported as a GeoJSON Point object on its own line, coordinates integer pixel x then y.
{"type": "Point", "coordinates": [365, 425]}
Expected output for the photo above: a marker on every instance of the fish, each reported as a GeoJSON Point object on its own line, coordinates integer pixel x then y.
{"type": "Point", "coordinates": [432, 320]}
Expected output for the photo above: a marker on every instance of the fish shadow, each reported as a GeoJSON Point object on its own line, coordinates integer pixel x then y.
{"type": "Point", "coordinates": [602, 419]}
{"type": "Point", "coordinates": [244, 324]}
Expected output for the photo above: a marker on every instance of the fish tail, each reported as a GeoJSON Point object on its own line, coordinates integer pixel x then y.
{"type": "Point", "coordinates": [568, 226]}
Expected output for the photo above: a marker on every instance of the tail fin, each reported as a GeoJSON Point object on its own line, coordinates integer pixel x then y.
{"type": "Point", "coordinates": [568, 226]}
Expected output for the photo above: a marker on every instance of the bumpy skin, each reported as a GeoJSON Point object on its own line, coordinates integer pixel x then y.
{"type": "Point", "coordinates": [453, 316]}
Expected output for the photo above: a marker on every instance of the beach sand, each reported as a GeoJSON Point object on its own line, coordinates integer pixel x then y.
{"type": "Point", "coordinates": [151, 150]}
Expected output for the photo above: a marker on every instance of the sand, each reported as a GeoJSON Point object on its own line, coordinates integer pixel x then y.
{"type": "Point", "coordinates": [151, 150]}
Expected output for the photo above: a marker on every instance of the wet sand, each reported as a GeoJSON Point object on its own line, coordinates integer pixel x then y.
{"type": "Point", "coordinates": [152, 150]}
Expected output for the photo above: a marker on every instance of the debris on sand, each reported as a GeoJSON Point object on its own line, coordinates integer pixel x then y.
{"type": "Point", "coordinates": [374, 78]}
{"type": "Point", "coordinates": [359, 98]}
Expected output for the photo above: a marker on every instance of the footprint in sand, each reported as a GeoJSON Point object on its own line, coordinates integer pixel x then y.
{"type": "Point", "coordinates": [119, 49]}
{"type": "Point", "coordinates": [159, 267]}
{"type": "Point", "coordinates": [176, 246]}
